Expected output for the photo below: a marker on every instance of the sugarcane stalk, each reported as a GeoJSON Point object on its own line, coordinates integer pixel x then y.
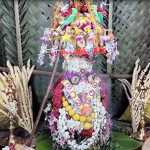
{"type": "Point", "coordinates": [18, 33]}
{"type": "Point", "coordinates": [46, 96]}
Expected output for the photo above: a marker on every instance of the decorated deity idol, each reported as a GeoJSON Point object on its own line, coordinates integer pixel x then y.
{"type": "Point", "coordinates": [77, 117]}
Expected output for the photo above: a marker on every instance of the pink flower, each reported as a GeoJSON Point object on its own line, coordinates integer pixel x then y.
{"type": "Point", "coordinates": [57, 103]}
{"type": "Point", "coordinates": [57, 96]}
{"type": "Point", "coordinates": [55, 114]}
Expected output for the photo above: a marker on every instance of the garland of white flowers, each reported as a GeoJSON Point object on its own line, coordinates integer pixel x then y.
{"type": "Point", "coordinates": [64, 135]}
{"type": "Point", "coordinates": [99, 124]}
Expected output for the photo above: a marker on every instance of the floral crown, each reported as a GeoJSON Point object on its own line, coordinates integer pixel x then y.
{"type": "Point", "coordinates": [79, 31]}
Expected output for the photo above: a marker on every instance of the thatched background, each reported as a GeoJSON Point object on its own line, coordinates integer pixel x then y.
{"type": "Point", "coordinates": [131, 26]}
{"type": "Point", "coordinates": [131, 20]}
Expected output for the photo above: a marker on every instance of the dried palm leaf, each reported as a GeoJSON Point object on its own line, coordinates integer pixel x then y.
{"type": "Point", "coordinates": [22, 97]}
{"type": "Point", "coordinates": [140, 93]}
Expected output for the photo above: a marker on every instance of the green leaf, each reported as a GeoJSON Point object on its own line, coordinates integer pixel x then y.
{"type": "Point", "coordinates": [120, 141]}
{"type": "Point", "coordinates": [44, 142]}
{"type": "Point", "coordinates": [71, 18]}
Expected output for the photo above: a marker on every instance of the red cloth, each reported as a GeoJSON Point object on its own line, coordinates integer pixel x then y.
{"type": "Point", "coordinates": [82, 52]}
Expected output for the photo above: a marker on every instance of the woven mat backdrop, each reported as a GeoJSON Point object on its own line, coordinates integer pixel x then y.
{"type": "Point", "coordinates": [131, 24]}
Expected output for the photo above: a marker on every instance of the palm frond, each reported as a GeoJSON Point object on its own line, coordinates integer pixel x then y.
{"type": "Point", "coordinates": [2, 45]}
{"type": "Point", "coordinates": [25, 30]}
{"type": "Point", "coordinates": [16, 55]}
{"type": "Point", "coordinates": [9, 31]}
{"type": "Point", "coordinates": [20, 78]}
{"type": "Point", "coordinates": [140, 93]}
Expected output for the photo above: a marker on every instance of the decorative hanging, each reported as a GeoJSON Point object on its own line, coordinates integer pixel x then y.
{"type": "Point", "coordinates": [77, 111]}
{"type": "Point", "coordinates": [80, 30]}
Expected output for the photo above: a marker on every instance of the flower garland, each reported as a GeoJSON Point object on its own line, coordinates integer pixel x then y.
{"type": "Point", "coordinates": [78, 119]}
{"type": "Point", "coordinates": [64, 134]}
{"type": "Point", "coordinates": [77, 111]}
{"type": "Point", "coordinates": [80, 33]}
{"type": "Point", "coordinates": [63, 127]}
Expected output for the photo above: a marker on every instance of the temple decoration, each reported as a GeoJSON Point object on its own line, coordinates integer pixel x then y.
{"type": "Point", "coordinates": [139, 97]}
{"type": "Point", "coordinates": [77, 117]}
{"type": "Point", "coordinates": [79, 32]}
{"type": "Point", "coordinates": [16, 100]}
{"type": "Point", "coordinates": [77, 110]}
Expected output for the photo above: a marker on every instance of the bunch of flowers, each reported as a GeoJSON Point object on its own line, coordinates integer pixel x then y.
{"type": "Point", "coordinates": [78, 118]}
{"type": "Point", "coordinates": [79, 33]}
{"type": "Point", "coordinates": [66, 130]}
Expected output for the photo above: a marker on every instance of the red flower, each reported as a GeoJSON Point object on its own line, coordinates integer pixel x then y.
{"type": "Point", "coordinates": [57, 103]}
{"type": "Point", "coordinates": [57, 96]}
{"type": "Point", "coordinates": [99, 50]}
{"type": "Point", "coordinates": [83, 7]}
{"type": "Point", "coordinates": [87, 133]}
{"type": "Point", "coordinates": [57, 93]}
{"type": "Point", "coordinates": [67, 12]}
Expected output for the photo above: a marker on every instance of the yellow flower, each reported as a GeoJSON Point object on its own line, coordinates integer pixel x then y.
{"type": "Point", "coordinates": [87, 125]}
{"type": "Point", "coordinates": [71, 112]}
{"type": "Point", "coordinates": [65, 103]}
{"type": "Point", "coordinates": [68, 108]}
{"type": "Point", "coordinates": [83, 20]}
{"type": "Point", "coordinates": [82, 118]}
{"type": "Point", "coordinates": [76, 117]}
{"type": "Point", "coordinates": [77, 31]}
{"type": "Point", "coordinates": [98, 29]}
{"type": "Point", "coordinates": [66, 37]}
{"type": "Point", "coordinates": [89, 118]}
{"type": "Point", "coordinates": [87, 29]}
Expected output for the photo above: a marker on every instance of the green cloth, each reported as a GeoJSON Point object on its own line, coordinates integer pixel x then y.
{"type": "Point", "coordinates": [99, 16]}
{"type": "Point", "coordinates": [43, 142]}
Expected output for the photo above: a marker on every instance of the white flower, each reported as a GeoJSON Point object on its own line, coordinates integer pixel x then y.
{"type": "Point", "coordinates": [6, 148]}
{"type": "Point", "coordinates": [12, 107]}
{"type": "Point", "coordinates": [48, 108]}
{"type": "Point", "coordinates": [73, 124]}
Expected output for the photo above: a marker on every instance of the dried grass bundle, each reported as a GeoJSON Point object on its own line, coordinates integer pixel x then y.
{"type": "Point", "coordinates": [139, 93]}
{"type": "Point", "coordinates": [20, 105]}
